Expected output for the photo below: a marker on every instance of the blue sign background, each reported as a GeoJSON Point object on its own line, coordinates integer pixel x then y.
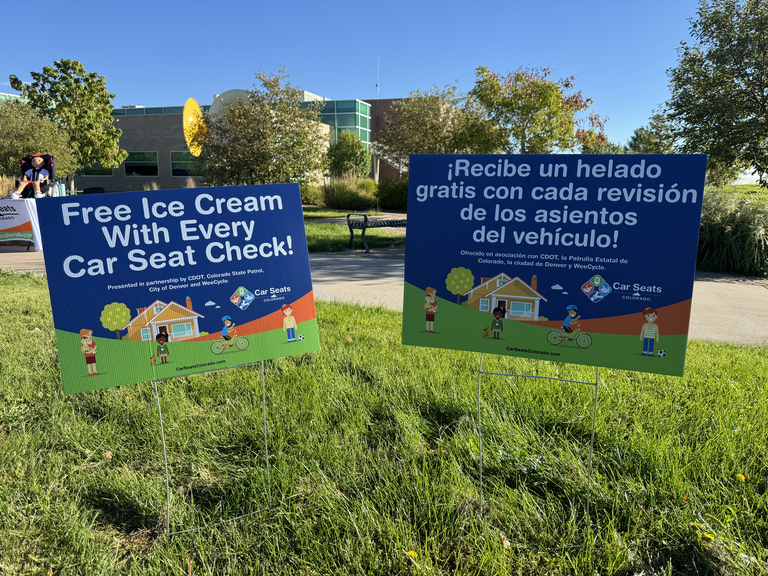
{"type": "Point", "coordinates": [628, 222]}
{"type": "Point", "coordinates": [195, 247]}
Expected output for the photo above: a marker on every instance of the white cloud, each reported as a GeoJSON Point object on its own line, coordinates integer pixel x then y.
{"type": "Point", "coordinates": [217, 307]}
{"type": "Point", "coordinates": [565, 293]}
{"type": "Point", "coordinates": [557, 287]}
{"type": "Point", "coordinates": [211, 303]}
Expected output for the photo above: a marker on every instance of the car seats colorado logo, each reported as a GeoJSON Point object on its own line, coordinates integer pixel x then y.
{"type": "Point", "coordinates": [596, 288]}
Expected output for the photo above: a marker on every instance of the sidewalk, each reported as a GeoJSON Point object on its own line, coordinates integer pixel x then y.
{"type": "Point", "coordinates": [725, 308]}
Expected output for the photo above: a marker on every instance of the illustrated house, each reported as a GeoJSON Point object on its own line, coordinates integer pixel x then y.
{"type": "Point", "coordinates": [179, 322]}
{"type": "Point", "coordinates": [520, 300]}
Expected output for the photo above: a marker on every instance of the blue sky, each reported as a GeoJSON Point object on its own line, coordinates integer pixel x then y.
{"type": "Point", "coordinates": [161, 53]}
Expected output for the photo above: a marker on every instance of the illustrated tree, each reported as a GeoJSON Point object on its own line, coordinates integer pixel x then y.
{"type": "Point", "coordinates": [438, 121]}
{"type": "Point", "coordinates": [458, 281]}
{"type": "Point", "coordinates": [267, 138]}
{"type": "Point", "coordinates": [718, 88]}
{"type": "Point", "coordinates": [348, 156]}
{"type": "Point", "coordinates": [537, 115]}
{"type": "Point", "coordinates": [24, 131]}
{"type": "Point", "coordinates": [79, 102]}
{"type": "Point", "coordinates": [115, 316]}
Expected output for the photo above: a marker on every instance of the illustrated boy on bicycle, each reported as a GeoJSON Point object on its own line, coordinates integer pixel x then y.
{"type": "Point", "coordinates": [572, 317]}
{"type": "Point", "coordinates": [228, 331]}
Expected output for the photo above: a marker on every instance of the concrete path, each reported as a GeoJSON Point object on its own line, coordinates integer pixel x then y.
{"type": "Point", "coordinates": [725, 308]}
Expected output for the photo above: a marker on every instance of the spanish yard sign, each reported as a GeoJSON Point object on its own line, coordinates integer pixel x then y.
{"type": "Point", "coordinates": [582, 259]}
{"type": "Point", "coordinates": [152, 285]}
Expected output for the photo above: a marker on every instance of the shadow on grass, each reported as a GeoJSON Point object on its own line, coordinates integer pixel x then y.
{"type": "Point", "coordinates": [121, 511]}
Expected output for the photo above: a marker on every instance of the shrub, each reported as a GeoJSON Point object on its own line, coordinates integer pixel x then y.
{"type": "Point", "coordinates": [392, 193]}
{"type": "Point", "coordinates": [7, 185]}
{"type": "Point", "coordinates": [368, 185]}
{"type": "Point", "coordinates": [310, 194]}
{"type": "Point", "coordinates": [733, 236]}
{"type": "Point", "coordinates": [347, 195]}
{"type": "Point", "coordinates": [348, 156]}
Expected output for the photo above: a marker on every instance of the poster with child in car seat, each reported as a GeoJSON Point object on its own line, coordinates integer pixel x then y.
{"type": "Point", "coordinates": [585, 259]}
{"type": "Point", "coordinates": [153, 285]}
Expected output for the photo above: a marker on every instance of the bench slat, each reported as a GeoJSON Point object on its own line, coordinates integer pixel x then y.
{"type": "Point", "coordinates": [365, 224]}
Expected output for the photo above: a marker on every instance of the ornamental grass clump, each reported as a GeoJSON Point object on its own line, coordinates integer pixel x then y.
{"type": "Point", "coordinates": [349, 194]}
{"type": "Point", "coordinates": [733, 236]}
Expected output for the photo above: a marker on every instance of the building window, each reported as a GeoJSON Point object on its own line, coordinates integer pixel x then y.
{"type": "Point", "coordinates": [501, 281]}
{"type": "Point", "coordinates": [96, 169]}
{"type": "Point", "coordinates": [158, 308]}
{"type": "Point", "coordinates": [180, 330]}
{"type": "Point", "coordinates": [146, 334]}
{"type": "Point", "coordinates": [346, 120]}
{"type": "Point", "coordinates": [484, 305]}
{"type": "Point", "coordinates": [141, 164]}
{"type": "Point", "coordinates": [520, 309]}
{"type": "Point", "coordinates": [346, 106]}
{"type": "Point", "coordinates": [183, 164]}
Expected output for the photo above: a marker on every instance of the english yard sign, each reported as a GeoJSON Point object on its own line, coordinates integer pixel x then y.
{"type": "Point", "coordinates": [153, 285]}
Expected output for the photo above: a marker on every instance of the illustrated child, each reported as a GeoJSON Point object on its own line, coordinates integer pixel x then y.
{"type": "Point", "coordinates": [228, 331]}
{"type": "Point", "coordinates": [88, 348]}
{"type": "Point", "coordinates": [430, 305]}
{"type": "Point", "coordinates": [36, 175]}
{"type": "Point", "coordinates": [571, 316]}
{"type": "Point", "coordinates": [289, 322]}
{"type": "Point", "coordinates": [162, 348]}
{"type": "Point", "coordinates": [497, 326]}
{"type": "Point", "coordinates": [650, 331]}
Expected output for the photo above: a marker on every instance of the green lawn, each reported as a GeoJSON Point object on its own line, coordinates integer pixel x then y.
{"type": "Point", "coordinates": [374, 468]}
{"type": "Point", "coordinates": [318, 212]}
{"type": "Point", "coordinates": [751, 192]}
{"type": "Point", "coordinates": [322, 237]}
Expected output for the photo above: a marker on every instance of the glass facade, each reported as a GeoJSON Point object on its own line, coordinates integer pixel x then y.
{"type": "Point", "coordinates": [147, 111]}
{"type": "Point", "coordinates": [352, 115]}
{"type": "Point", "coordinates": [183, 164]}
{"type": "Point", "coordinates": [96, 169]}
{"type": "Point", "coordinates": [141, 164]}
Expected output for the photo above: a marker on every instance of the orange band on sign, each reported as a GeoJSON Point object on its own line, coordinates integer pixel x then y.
{"type": "Point", "coordinates": [24, 227]}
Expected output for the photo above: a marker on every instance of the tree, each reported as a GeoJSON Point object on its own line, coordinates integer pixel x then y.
{"type": "Point", "coordinates": [79, 102]}
{"type": "Point", "coordinates": [458, 281]}
{"type": "Point", "coordinates": [606, 147]}
{"type": "Point", "coordinates": [24, 131]}
{"type": "Point", "coordinates": [349, 156]}
{"type": "Point", "coordinates": [718, 89]}
{"type": "Point", "coordinates": [537, 115]}
{"type": "Point", "coordinates": [656, 138]}
{"type": "Point", "coordinates": [115, 316]}
{"type": "Point", "coordinates": [435, 122]}
{"type": "Point", "coordinates": [267, 138]}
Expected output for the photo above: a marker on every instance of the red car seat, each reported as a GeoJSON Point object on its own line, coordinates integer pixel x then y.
{"type": "Point", "coordinates": [49, 163]}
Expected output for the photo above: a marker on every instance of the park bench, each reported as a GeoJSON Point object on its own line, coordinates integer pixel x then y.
{"type": "Point", "coordinates": [365, 224]}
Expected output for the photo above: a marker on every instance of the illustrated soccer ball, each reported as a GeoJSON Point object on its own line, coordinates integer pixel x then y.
{"type": "Point", "coordinates": [301, 336]}
{"type": "Point", "coordinates": [661, 353]}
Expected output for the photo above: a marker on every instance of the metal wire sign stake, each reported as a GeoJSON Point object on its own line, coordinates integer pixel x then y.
{"type": "Point", "coordinates": [167, 479]}
{"type": "Point", "coordinates": [480, 372]}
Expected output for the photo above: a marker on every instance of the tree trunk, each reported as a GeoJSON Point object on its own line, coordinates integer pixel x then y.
{"type": "Point", "coordinates": [118, 334]}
